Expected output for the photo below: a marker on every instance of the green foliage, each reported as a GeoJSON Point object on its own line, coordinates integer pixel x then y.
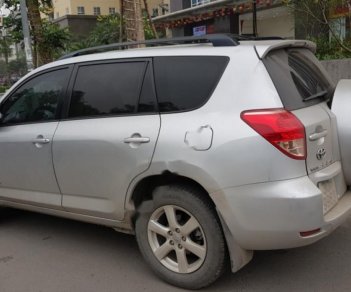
{"type": "Point", "coordinates": [3, 88]}
{"type": "Point", "coordinates": [330, 49]}
{"type": "Point", "coordinates": [13, 26]}
{"type": "Point", "coordinates": [106, 31]}
{"type": "Point", "coordinates": [147, 29]}
{"type": "Point", "coordinates": [11, 71]}
{"type": "Point", "coordinates": [3, 68]}
{"type": "Point", "coordinates": [316, 20]}
{"type": "Point", "coordinates": [79, 45]}
{"type": "Point", "coordinates": [53, 39]}
{"type": "Point", "coordinates": [17, 67]}
{"type": "Point", "coordinates": [56, 39]}
{"type": "Point", "coordinates": [5, 48]}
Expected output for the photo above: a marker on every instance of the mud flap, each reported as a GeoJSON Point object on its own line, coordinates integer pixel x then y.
{"type": "Point", "coordinates": [239, 257]}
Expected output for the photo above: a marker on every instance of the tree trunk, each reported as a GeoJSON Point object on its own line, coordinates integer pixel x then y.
{"type": "Point", "coordinates": [152, 25]}
{"type": "Point", "coordinates": [133, 20]}
{"type": "Point", "coordinates": [121, 24]}
{"type": "Point", "coordinates": [43, 56]}
{"type": "Point", "coordinates": [5, 50]}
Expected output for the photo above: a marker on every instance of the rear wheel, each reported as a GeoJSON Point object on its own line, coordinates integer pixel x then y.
{"type": "Point", "coordinates": [179, 235]}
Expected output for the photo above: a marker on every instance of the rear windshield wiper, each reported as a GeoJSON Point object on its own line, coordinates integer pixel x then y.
{"type": "Point", "coordinates": [316, 95]}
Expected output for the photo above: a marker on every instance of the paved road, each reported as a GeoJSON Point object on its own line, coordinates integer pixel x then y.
{"type": "Point", "coordinates": [42, 253]}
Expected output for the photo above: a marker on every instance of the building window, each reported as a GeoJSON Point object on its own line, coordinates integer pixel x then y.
{"type": "Point", "coordinates": [57, 15]}
{"type": "Point", "coordinates": [80, 10]}
{"type": "Point", "coordinates": [67, 10]}
{"type": "Point", "coordinates": [96, 11]}
{"type": "Point", "coordinates": [154, 12]}
{"type": "Point", "coordinates": [111, 10]}
{"type": "Point", "coordinates": [199, 2]}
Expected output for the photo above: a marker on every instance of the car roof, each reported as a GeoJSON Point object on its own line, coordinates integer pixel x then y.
{"type": "Point", "coordinates": [262, 49]}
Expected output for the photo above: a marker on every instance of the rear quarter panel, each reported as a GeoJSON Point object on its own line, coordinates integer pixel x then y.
{"type": "Point", "coordinates": [238, 155]}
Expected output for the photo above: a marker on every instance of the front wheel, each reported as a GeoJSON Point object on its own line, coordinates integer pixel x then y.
{"type": "Point", "coordinates": [179, 235]}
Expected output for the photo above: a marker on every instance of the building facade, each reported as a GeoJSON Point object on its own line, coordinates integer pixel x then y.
{"type": "Point", "coordinates": [62, 8]}
{"type": "Point", "coordinates": [80, 16]}
{"type": "Point", "coordinates": [84, 7]}
{"type": "Point", "coordinates": [196, 17]}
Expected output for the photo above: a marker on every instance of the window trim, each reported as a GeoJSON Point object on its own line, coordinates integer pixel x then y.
{"type": "Point", "coordinates": [96, 10]}
{"type": "Point", "coordinates": [61, 98]}
{"type": "Point", "coordinates": [110, 9]}
{"type": "Point", "coordinates": [67, 102]}
{"type": "Point", "coordinates": [80, 10]}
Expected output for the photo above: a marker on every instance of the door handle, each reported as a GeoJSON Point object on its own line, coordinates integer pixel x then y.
{"type": "Point", "coordinates": [137, 140]}
{"type": "Point", "coordinates": [316, 136]}
{"type": "Point", "coordinates": [41, 141]}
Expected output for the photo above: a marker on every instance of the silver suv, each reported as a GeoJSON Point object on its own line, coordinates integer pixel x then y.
{"type": "Point", "coordinates": [206, 150]}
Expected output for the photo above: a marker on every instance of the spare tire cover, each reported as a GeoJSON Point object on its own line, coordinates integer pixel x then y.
{"type": "Point", "coordinates": [341, 107]}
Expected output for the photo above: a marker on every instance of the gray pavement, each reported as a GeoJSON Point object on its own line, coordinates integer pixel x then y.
{"type": "Point", "coordinates": [43, 253]}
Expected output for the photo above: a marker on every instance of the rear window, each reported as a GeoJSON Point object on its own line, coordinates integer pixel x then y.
{"type": "Point", "coordinates": [299, 78]}
{"type": "Point", "coordinates": [186, 83]}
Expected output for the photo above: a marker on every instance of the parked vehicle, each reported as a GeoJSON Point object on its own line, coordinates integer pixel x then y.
{"type": "Point", "coordinates": [207, 150]}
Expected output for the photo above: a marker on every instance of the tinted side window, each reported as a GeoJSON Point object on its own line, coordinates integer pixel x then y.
{"type": "Point", "coordinates": [299, 78]}
{"type": "Point", "coordinates": [186, 83]}
{"type": "Point", "coordinates": [107, 89]}
{"type": "Point", "coordinates": [36, 100]}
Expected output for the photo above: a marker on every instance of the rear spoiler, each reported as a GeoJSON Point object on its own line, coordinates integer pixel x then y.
{"type": "Point", "coordinates": [263, 49]}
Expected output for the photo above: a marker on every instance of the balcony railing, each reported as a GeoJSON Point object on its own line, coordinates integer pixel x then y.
{"type": "Point", "coordinates": [195, 3]}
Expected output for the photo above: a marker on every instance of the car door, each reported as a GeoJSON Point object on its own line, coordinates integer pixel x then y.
{"type": "Point", "coordinates": [29, 120]}
{"type": "Point", "coordinates": [341, 108]}
{"type": "Point", "coordinates": [108, 136]}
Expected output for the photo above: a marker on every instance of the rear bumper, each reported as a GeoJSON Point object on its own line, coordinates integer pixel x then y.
{"type": "Point", "coordinates": [271, 215]}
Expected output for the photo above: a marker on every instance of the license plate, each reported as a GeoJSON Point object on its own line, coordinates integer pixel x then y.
{"type": "Point", "coordinates": [330, 197]}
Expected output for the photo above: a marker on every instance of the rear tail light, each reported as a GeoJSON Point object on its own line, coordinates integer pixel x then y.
{"type": "Point", "coordinates": [280, 128]}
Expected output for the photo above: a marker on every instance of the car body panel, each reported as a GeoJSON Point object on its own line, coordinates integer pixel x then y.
{"type": "Point", "coordinates": [251, 212]}
{"type": "Point", "coordinates": [94, 165]}
{"type": "Point", "coordinates": [27, 173]}
{"type": "Point", "coordinates": [317, 122]}
{"type": "Point", "coordinates": [235, 146]}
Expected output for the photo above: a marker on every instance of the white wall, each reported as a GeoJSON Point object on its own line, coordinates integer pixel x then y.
{"type": "Point", "coordinates": [277, 21]}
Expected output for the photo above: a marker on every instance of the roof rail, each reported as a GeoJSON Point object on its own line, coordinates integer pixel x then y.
{"type": "Point", "coordinates": [255, 38]}
{"type": "Point", "coordinates": [217, 40]}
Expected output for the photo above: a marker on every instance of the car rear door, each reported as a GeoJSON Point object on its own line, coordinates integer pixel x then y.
{"type": "Point", "coordinates": [305, 88]}
{"type": "Point", "coordinates": [108, 136]}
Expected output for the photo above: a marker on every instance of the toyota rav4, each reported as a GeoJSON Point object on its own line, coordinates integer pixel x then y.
{"type": "Point", "coordinates": [207, 148]}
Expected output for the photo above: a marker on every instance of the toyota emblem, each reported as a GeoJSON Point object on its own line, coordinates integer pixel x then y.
{"type": "Point", "coordinates": [320, 153]}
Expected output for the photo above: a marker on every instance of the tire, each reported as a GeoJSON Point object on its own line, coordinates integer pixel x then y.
{"type": "Point", "coordinates": [180, 237]}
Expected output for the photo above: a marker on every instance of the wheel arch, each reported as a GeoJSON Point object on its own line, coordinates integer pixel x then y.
{"type": "Point", "coordinates": [143, 189]}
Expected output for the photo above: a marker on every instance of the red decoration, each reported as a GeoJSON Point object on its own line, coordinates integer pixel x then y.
{"type": "Point", "coordinates": [222, 12]}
